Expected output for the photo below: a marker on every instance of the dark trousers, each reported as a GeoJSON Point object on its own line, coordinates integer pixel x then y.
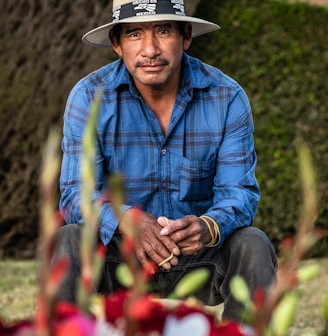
{"type": "Point", "coordinates": [247, 252]}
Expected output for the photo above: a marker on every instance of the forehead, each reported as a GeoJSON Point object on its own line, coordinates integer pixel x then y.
{"type": "Point", "coordinates": [148, 25]}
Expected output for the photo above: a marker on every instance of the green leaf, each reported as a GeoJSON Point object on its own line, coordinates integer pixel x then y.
{"type": "Point", "coordinates": [324, 309]}
{"type": "Point", "coordinates": [240, 290]}
{"type": "Point", "coordinates": [190, 283]}
{"type": "Point", "coordinates": [284, 314]}
{"type": "Point", "coordinates": [308, 272]}
{"type": "Point", "coordinates": [124, 275]}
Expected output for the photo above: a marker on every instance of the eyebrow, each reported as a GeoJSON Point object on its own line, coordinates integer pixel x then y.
{"type": "Point", "coordinates": [131, 29]}
{"type": "Point", "coordinates": [167, 25]}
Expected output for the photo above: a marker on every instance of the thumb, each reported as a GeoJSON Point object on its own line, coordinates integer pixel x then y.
{"type": "Point", "coordinates": [163, 221]}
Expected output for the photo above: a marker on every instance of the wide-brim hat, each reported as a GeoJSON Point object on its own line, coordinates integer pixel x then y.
{"type": "Point", "coordinates": [146, 11]}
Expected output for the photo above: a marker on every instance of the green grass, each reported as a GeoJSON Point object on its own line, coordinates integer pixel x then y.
{"type": "Point", "coordinates": [17, 289]}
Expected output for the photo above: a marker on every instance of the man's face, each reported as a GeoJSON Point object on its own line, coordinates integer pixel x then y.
{"type": "Point", "coordinates": [152, 52]}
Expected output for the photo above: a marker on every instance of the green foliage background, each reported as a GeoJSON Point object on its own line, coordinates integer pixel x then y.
{"type": "Point", "coordinates": [277, 51]}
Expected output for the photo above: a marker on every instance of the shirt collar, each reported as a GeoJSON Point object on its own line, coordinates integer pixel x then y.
{"type": "Point", "coordinates": [194, 75]}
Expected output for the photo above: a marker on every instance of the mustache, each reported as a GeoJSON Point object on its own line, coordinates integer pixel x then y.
{"type": "Point", "coordinates": [152, 62]}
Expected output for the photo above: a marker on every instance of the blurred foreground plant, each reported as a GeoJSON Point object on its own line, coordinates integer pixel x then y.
{"type": "Point", "coordinates": [134, 311]}
{"type": "Point", "coordinates": [128, 312]}
{"type": "Point", "coordinates": [272, 314]}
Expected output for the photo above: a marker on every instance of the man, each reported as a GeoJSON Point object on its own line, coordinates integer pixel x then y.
{"type": "Point", "coordinates": [181, 134]}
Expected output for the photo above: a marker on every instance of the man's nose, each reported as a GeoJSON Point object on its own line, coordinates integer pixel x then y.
{"type": "Point", "coordinates": [150, 47]}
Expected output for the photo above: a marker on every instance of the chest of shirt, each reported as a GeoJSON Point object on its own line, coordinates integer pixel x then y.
{"type": "Point", "coordinates": [132, 142]}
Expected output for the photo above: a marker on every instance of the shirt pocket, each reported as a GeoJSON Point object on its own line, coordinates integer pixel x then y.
{"type": "Point", "coordinates": [196, 179]}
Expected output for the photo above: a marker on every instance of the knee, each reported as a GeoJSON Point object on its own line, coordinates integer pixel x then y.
{"type": "Point", "coordinates": [253, 243]}
{"type": "Point", "coordinates": [67, 239]}
{"type": "Point", "coordinates": [68, 231]}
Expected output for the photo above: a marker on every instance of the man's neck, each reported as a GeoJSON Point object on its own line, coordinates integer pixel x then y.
{"type": "Point", "coordinates": [161, 101]}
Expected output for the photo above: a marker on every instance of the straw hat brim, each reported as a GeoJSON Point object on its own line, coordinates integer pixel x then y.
{"type": "Point", "coordinates": [98, 37]}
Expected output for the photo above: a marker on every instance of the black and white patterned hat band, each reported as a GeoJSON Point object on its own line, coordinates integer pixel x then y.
{"type": "Point", "coordinates": [148, 7]}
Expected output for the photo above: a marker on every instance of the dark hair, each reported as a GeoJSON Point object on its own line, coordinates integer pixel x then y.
{"type": "Point", "coordinates": [115, 32]}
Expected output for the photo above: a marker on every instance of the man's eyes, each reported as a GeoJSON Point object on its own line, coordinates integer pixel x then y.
{"type": "Point", "coordinates": [135, 34]}
{"type": "Point", "coordinates": [163, 31]}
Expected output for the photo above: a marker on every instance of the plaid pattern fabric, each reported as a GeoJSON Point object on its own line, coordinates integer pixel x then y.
{"type": "Point", "coordinates": [205, 165]}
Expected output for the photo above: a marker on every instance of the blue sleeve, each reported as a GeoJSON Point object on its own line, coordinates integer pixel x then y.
{"type": "Point", "coordinates": [236, 191]}
{"type": "Point", "coordinates": [75, 119]}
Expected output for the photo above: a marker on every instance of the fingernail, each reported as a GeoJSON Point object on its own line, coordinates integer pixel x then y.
{"type": "Point", "coordinates": [175, 251]}
{"type": "Point", "coordinates": [164, 232]}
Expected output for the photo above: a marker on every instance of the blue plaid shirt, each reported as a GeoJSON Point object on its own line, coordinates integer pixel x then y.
{"type": "Point", "coordinates": [205, 165]}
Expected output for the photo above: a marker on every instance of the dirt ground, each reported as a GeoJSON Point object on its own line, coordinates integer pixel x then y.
{"type": "Point", "coordinates": [308, 320]}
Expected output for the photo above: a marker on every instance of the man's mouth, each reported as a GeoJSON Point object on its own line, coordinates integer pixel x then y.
{"type": "Point", "coordinates": [152, 65]}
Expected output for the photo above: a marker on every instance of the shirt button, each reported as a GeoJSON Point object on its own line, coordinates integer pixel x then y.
{"type": "Point", "coordinates": [163, 151]}
{"type": "Point", "coordinates": [163, 185]}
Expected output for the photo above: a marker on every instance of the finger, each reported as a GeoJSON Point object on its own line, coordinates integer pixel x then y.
{"type": "Point", "coordinates": [157, 247]}
{"type": "Point", "coordinates": [173, 226]}
{"type": "Point", "coordinates": [163, 221]}
{"type": "Point", "coordinates": [169, 245]}
{"type": "Point", "coordinates": [154, 248]}
{"type": "Point", "coordinates": [190, 231]}
{"type": "Point", "coordinates": [141, 255]}
{"type": "Point", "coordinates": [159, 254]}
{"type": "Point", "coordinates": [190, 250]}
{"type": "Point", "coordinates": [168, 259]}
{"type": "Point", "coordinates": [167, 241]}
{"type": "Point", "coordinates": [167, 265]}
{"type": "Point", "coordinates": [174, 261]}
{"type": "Point", "coordinates": [167, 262]}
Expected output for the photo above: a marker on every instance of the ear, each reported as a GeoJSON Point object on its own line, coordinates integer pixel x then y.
{"type": "Point", "coordinates": [187, 36]}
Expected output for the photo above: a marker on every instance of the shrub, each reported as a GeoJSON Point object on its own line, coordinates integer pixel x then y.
{"type": "Point", "coordinates": [277, 52]}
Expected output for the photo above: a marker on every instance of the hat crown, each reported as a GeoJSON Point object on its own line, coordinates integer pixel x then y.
{"type": "Point", "coordinates": [128, 9]}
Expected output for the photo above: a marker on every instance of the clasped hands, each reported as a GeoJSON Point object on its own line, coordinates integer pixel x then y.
{"type": "Point", "coordinates": [162, 240]}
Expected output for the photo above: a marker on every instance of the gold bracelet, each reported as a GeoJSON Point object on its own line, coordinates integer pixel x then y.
{"type": "Point", "coordinates": [217, 231]}
{"type": "Point", "coordinates": [216, 237]}
{"type": "Point", "coordinates": [213, 238]}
